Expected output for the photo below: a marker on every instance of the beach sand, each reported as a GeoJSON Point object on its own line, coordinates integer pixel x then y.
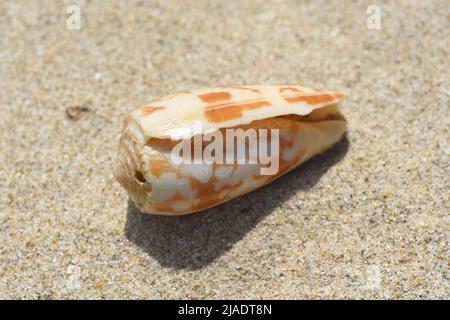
{"type": "Point", "coordinates": [368, 219]}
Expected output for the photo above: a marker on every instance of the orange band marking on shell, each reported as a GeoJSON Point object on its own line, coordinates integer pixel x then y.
{"type": "Point", "coordinates": [310, 99]}
{"type": "Point", "coordinates": [150, 109]}
{"type": "Point", "coordinates": [213, 97]}
{"type": "Point", "coordinates": [160, 166]}
{"type": "Point", "coordinates": [205, 196]}
{"type": "Point", "coordinates": [225, 112]}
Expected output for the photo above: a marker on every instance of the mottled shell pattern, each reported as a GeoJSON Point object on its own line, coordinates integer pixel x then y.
{"type": "Point", "coordinates": [308, 120]}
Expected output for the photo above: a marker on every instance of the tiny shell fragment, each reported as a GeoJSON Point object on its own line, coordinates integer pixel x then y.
{"type": "Point", "coordinates": [74, 112]}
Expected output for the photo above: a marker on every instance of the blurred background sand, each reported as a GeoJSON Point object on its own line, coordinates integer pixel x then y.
{"type": "Point", "coordinates": [368, 219]}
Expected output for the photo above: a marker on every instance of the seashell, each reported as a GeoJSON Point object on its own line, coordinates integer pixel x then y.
{"type": "Point", "coordinates": [304, 121]}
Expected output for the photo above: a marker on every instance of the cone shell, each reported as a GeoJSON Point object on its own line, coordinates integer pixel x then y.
{"type": "Point", "coordinates": [308, 121]}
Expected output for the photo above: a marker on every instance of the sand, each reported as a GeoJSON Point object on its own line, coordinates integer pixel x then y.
{"type": "Point", "coordinates": [368, 219]}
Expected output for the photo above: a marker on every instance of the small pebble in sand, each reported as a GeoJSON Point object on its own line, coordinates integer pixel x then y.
{"type": "Point", "coordinates": [75, 112]}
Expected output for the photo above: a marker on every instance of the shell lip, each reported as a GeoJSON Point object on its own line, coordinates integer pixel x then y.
{"type": "Point", "coordinates": [175, 116]}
